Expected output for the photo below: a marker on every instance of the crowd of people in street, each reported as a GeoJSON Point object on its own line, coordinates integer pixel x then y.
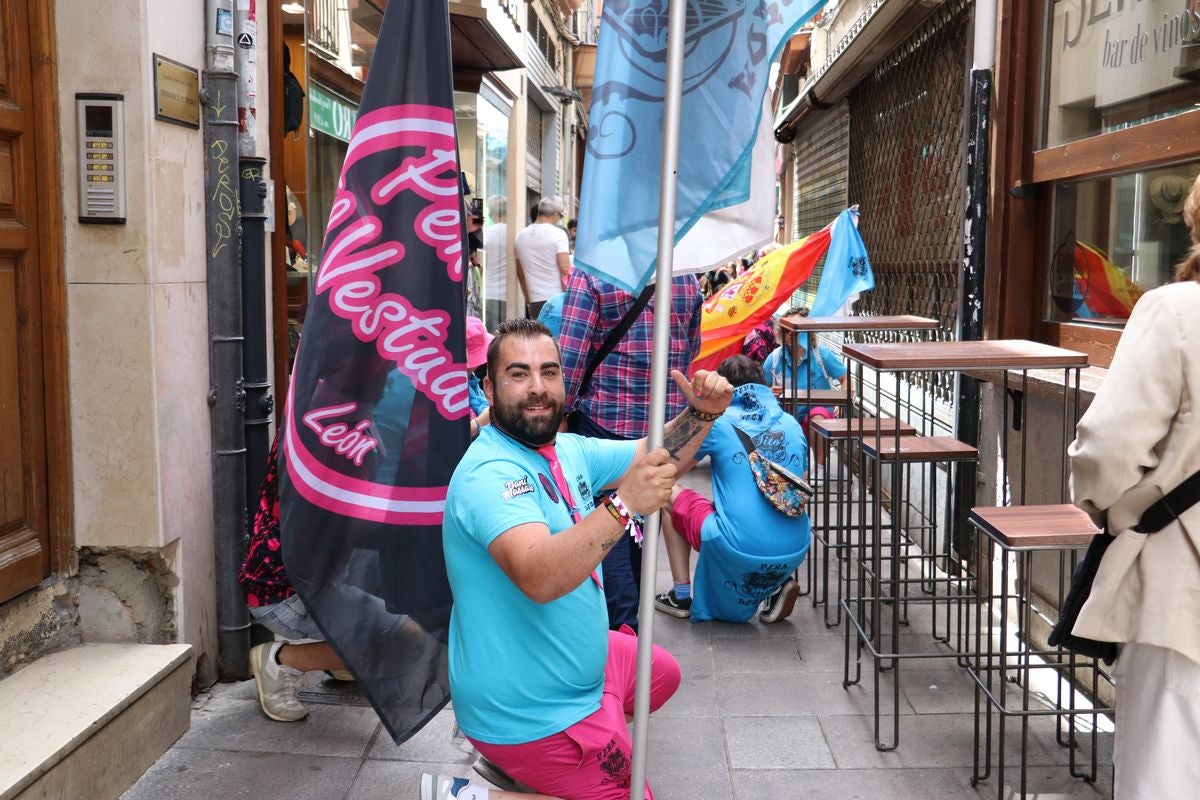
{"type": "Point", "coordinates": [542, 540]}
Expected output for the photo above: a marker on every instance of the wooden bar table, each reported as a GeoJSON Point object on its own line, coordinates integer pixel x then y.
{"type": "Point", "coordinates": [791, 397]}
{"type": "Point", "coordinates": [867, 591]}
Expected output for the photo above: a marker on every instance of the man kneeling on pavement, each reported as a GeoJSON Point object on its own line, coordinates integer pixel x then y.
{"type": "Point", "coordinates": [541, 687]}
{"type": "Point", "coordinates": [750, 549]}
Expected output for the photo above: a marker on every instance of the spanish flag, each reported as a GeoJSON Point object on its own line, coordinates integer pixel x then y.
{"type": "Point", "coordinates": [748, 301]}
{"type": "Point", "coordinates": [1105, 290]}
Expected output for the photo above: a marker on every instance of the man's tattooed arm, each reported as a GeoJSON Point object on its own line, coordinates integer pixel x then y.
{"type": "Point", "coordinates": [682, 430]}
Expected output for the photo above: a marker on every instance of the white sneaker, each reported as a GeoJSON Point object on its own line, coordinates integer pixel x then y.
{"type": "Point", "coordinates": [276, 684]}
{"type": "Point", "coordinates": [442, 787]}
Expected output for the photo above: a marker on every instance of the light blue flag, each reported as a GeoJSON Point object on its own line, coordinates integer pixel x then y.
{"type": "Point", "coordinates": [847, 270]}
{"type": "Point", "coordinates": [728, 51]}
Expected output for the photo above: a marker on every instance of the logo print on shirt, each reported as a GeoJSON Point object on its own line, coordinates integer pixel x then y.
{"type": "Point", "coordinates": [517, 488]}
{"type": "Point", "coordinates": [585, 491]}
{"type": "Point", "coordinates": [548, 485]}
{"type": "Point", "coordinates": [758, 586]}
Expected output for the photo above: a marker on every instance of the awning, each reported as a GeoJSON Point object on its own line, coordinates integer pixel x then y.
{"type": "Point", "coordinates": [475, 44]}
{"type": "Point", "coordinates": [584, 74]}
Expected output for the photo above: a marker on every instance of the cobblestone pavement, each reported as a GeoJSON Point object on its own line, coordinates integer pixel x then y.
{"type": "Point", "coordinates": [761, 714]}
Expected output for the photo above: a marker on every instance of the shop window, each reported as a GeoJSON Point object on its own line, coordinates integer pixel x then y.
{"type": "Point", "coordinates": [483, 122]}
{"type": "Point", "coordinates": [1114, 64]}
{"type": "Point", "coordinates": [1097, 111]}
{"type": "Point", "coordinates": [1115, 238]}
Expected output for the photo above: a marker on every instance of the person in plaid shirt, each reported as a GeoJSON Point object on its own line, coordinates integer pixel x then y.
{"type": "Point", "coordinates": [616, 403]}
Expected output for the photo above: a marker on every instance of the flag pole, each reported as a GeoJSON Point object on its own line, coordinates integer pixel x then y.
{"type": "Point", "coordinates": [672, 96]}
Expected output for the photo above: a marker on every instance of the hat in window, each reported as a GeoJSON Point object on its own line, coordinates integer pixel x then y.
{"type": "Point", "coordinates": [478, 340]}
{"type": "Point", "coordinates": [1168, 193]}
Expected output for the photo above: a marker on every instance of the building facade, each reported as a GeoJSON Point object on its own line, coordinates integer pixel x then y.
{"type": "Point", "coordinates": [1086, 162]}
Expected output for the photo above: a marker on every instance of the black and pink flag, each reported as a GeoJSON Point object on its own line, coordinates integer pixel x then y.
{"type": "Point", "coordinates": [377, 412]}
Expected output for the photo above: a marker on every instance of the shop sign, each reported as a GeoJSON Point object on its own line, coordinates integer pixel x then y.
{"type": "Point", "coordinates": [330, 114]}
{"type": "Point", "coordinates": [1119, 51]}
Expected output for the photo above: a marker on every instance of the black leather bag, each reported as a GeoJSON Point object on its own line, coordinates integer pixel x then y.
{"type": "Point", "coordinates": [1153, 520]}
{"type": "Point", "coordinates": [1081, 588]}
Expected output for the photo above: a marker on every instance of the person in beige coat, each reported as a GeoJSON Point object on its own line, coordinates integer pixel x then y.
{"type": "Point", "coordinates": [1139, 440]}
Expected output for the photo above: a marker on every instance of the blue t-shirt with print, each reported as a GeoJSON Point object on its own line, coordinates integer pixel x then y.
{"type": "Point", "coordinates": [806, 373]}
{"type": "Point", "coordinates": [747, 547]}
{"type": "Point", "coordinates": [521, 670]}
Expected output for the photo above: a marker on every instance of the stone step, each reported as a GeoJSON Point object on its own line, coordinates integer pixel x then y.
{"type": "Point", "coordinates": [87, 722]}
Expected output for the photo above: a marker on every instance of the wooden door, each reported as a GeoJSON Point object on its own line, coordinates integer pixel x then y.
{"type": "Point", "coordinates": [24, 516]}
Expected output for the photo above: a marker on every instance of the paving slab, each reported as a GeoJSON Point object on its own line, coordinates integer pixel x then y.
{"type": "Point", "coordinates": [932, 740]}
{"type": "Point", "coordinates": [733, 653]}
{"type": "Point", "coordinates": [777, 743]}
{"type": "Point", "coordinates": [774, 694]}
{"type": "Point", "coordinates": [697, 693]}
{"type": "Point", "coordinates": [923, 783]}
{"type": "Point", "coordinates": [231, 719]}
{"type": "Point", "coordinates": [190, 774]}
{"type": "Point", "coordinates": [686, 759]}
{"type": "Point", "coordinates": [434, 743]}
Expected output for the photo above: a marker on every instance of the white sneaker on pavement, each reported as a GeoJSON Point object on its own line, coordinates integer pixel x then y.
{"type": "Point", "coordinates": [276, 684]}
{"type": "Point", "coordinates": [444, 787]}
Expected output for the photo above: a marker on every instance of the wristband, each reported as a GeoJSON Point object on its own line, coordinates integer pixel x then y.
{"type": "Point", "coordinates": [629, 520]}
{"type": "Point", "coordinates": [703, 416]}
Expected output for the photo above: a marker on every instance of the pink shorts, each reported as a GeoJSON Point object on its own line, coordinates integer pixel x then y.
{"type": "Point", "coordinates": [591, 760]}
{"type": "Point", "coordinates": [688, 512]}
{"type": "Point", "coordinates": [817, 412]}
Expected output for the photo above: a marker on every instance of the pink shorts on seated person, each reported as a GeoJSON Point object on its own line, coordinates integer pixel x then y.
{"type": "Point", "coordinates": [817, 412]}
{"type": "Point", "coordinates": [591, 760]}
{"type": "Point", "coordinates": [689, 509]}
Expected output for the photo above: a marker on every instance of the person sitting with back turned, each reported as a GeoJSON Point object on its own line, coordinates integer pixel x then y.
{"type": "Point", "coordinates": [541, 687]}
{"type": "Point", "coordinates": [749, 548]}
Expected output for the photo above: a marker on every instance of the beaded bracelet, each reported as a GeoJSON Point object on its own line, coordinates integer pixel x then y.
{"type": "Point", "coordinates": [703, 416]}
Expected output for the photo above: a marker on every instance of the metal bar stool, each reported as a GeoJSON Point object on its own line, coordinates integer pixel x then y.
{"type": "Point", "coordinates": [1012, 536]}
{"type": "Point", "coordinates": [886, 567]}
{"type": "Point", "coordinates": [818, 469]}
{"type": "Point", "coordinates": [837, 508]}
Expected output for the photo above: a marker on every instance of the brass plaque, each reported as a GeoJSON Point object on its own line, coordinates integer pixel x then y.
{"type": "Point", "coordinates": [176, 92]}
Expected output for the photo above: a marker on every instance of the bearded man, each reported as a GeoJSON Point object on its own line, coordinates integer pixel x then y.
{"type": "Point", "coordinates": [541, 687]}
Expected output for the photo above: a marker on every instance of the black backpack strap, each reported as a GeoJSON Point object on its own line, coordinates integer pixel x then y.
{"type": "Point", "coordinates": [613, 337]}
{"type": "Point", "coordinates": [1168, 509]}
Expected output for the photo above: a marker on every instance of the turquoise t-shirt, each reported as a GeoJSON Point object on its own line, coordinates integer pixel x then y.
{"type": "Point", "coordinates": [747, 548]}
{"type": "Point", "coordinates": [805, 374]}
{"type": "Point", "coordinates": [521, 670]}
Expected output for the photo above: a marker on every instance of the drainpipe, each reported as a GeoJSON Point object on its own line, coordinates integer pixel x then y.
{"type": "Point", "coordinates": [253, 192]}
{"type": "Point", "coordinates": [227, 396]}
{"type": "Point", "coordinates": [260, 404]}
{"type": "Point", "coordinates": [568, 120]}
{"type": "Point", "coordinates": [974, 254]}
